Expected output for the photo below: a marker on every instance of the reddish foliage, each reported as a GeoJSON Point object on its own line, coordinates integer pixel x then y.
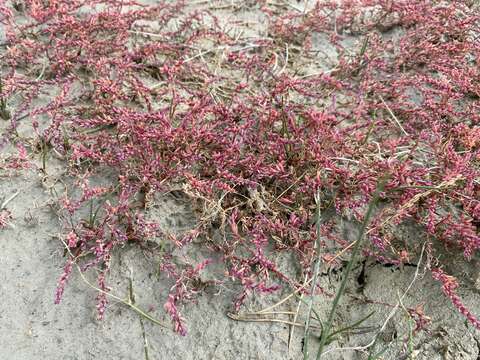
{"type": "Point", "coordinates": [5, 217]}
{"type": "Point", "coordinates": [240, 122]}
{"type": "Point", "coordinates": [449, 285]}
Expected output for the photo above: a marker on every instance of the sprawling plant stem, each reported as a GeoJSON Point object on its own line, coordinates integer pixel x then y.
{"type": "Point", "coordinates": [248, 121]}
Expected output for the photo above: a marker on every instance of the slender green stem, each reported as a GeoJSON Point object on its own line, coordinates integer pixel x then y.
{"type": "Point", "coordinates": [4, 114]}
{"type": "Point", "coordinates": [355, 252]}
{"type": "Point", "coordinates": [129, 302]}
{"type": "Point", "coordinates": [351, 327]}
{"type": "Point", "coordinates": [314, 281]}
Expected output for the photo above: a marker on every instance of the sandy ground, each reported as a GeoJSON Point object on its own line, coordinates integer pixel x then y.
{"type": "Point", "coordinates": [32, 327]}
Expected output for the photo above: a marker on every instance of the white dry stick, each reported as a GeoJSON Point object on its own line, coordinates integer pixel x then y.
{"type": "Point", "coordinates": [295, 317]}
{"type": "Point", "coordinates": [286, 60]}
{"type": "Point", "coordinates": [345, 159]}
{"type": "Point", "coordinates": [295, 7]}
{"type": "Point", "coordinates": [276, 63]}
{"type": "Point", "coordinates": [200, 54]}
{"type": "Point", "coordinates": [5, 203]}
{"type": "Point", "coordinates": [144, 33]}
{"type": "Point", "coordinates": [393, 116]}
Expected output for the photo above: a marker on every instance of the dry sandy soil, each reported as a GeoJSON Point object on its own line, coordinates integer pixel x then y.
{"type": "Point", "coordinates": [32, 327]}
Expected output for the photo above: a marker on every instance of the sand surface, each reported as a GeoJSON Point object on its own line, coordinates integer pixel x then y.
{"type": "Point", "coordinates": [32, 327]}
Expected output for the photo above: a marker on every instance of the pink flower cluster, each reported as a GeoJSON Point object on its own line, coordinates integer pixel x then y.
{"type": "Point", "coordinates": [250, 127]}
{"type": "Point", "coordinates": [449, 285]}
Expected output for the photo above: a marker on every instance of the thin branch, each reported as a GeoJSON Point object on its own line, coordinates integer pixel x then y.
{"type": "Point", "coordinates": [393, 116]}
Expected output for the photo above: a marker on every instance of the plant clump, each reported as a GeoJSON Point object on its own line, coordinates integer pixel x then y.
{"type": "Point", "coordinates": [249, 120]}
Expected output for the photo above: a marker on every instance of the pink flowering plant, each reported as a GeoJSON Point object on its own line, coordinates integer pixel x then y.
{"type": "Point", "coordinates": [249, 126]}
